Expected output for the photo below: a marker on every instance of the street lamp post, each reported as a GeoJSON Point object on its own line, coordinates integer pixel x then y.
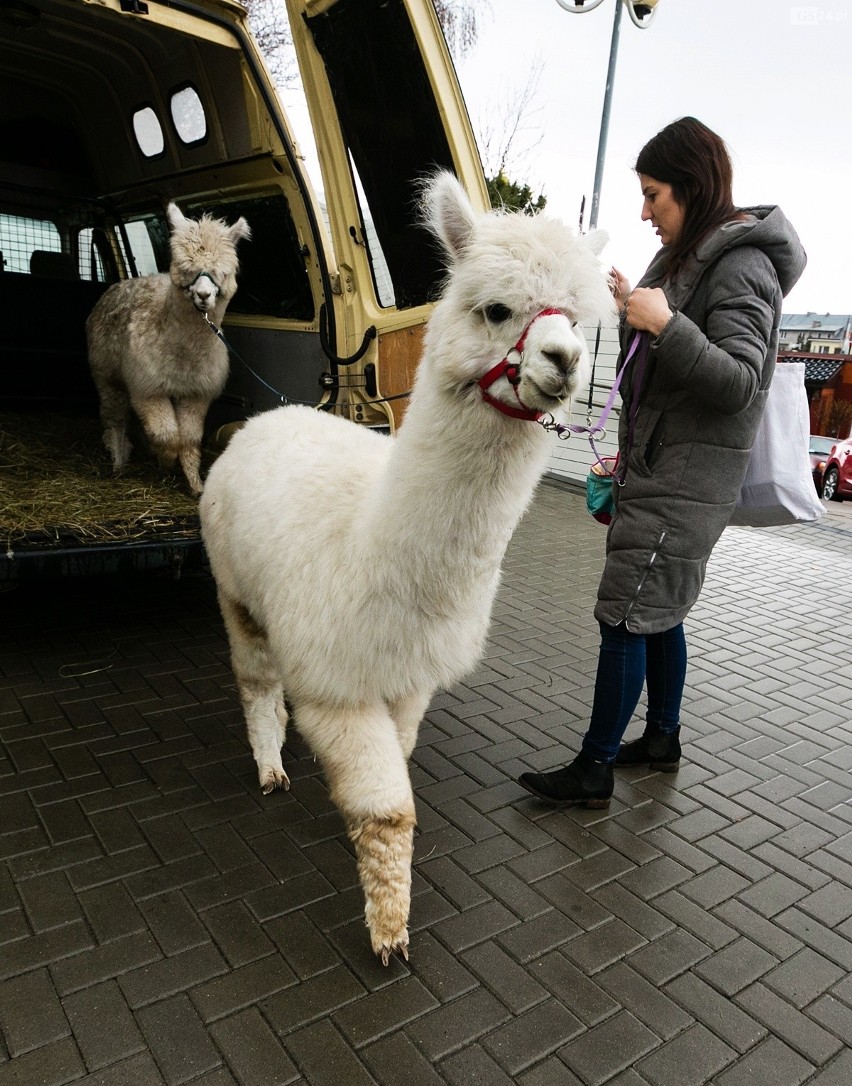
{"type": "Point", "coordinates": [641, 14]}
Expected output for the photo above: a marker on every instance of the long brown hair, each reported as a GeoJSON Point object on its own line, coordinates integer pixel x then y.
{"type": "Point", "coordinates": [691, 158]}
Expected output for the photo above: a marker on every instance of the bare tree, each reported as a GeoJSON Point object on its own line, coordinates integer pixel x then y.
{"type": "Point", "coordinates": [508, 132]}
{"type": "Point", "coordinates": [271, 29]}
{"type": "Point", "coordinates": [459, 20]}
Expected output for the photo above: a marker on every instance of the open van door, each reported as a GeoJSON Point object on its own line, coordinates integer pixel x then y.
{"type": "Point", "coordinates": [386, 110]}
{"type": "Point", "coordinates": [109, 110]}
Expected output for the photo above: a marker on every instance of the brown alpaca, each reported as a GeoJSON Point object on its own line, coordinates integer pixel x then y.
{"type": "Point", "coordinates": [151, 350]}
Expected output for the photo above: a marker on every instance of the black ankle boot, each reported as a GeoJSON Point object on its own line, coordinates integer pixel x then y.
{"type": "Point", "coordinates": [654, 749]}
{"type": "Point", "coordinates": [583, 783]}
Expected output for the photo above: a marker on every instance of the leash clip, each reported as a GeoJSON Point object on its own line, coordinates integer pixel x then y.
{"type": "Point", "coordinates": [548, 423]}
{"type": "Point", "coordinates": [216, 331]}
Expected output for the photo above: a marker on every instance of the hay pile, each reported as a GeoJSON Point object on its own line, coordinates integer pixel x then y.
{"type": "Point", "coordinates": [57, 489]}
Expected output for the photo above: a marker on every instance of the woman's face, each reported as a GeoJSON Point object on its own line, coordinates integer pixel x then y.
{"type": "Point", "coordinates": [661, 209]}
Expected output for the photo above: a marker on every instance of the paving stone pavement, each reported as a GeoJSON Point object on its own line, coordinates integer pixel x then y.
{"type": "Point", "coordinates": [162, 922]}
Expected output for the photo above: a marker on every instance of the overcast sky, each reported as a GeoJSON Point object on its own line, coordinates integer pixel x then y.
{"type": "Point", "coordinates": [773, 78]}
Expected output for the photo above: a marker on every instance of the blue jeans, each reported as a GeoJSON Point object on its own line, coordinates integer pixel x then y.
{"type": "Point", "coordinates": [626, 662]}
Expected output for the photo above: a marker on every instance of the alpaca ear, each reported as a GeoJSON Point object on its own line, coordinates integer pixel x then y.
{"type": "Point", "coordinates": [596, 240]}
{"type": "Point", "coordinates": [450, 214]}
{"type": "Point", "coordinates": [175, 216]}
{"type": "Point", "coordinates": [240, 229]}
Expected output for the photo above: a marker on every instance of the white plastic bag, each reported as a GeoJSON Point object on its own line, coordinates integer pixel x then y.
{"type": "Point", "coordinates": [778, 487]}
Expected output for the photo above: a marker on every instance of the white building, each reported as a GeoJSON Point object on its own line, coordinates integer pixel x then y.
{"type": "Point", "coordinates": [816, 333]}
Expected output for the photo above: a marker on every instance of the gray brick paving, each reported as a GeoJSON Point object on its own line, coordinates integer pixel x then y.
{"type": "Point", "coordinates": [163, 923]}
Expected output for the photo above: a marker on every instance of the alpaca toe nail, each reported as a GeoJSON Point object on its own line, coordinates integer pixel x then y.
{"type": "Point", "coordinates": [274, 778]}
{"type": "Point", "coordinates": [393, 946]}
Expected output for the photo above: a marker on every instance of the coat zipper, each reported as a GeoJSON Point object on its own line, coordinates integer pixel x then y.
{"type": "Point", "coordinates": [645, 572]}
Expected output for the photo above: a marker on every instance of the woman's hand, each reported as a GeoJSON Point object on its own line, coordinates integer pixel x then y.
{"type": "Point", "coordinates": [619, 287]}
{"type": "Point", "coordinates": [647, 310]}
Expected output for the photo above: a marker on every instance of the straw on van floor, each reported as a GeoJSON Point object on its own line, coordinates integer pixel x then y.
{"type": "Point", "coordinates": [57, 488]}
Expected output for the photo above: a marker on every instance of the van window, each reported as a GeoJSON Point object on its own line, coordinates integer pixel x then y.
{"type": "Point", "coordinates": [148, 132]}
{"type": "Point", "coordinates": [392, 128]}
{"type": "Point", "coordinates": [22, 239]}
{"type": "Point", "coordinates": [382, 282]}
{"type": "Point", "coordinates": [273, 278]}
{"type": "Point", "coordinates": [188, 115]}
{"type": "Point", "coordinates": [142, 245]}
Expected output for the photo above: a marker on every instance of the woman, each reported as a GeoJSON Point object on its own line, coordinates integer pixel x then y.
{"type": "Point", "coordinates": [710, 305]}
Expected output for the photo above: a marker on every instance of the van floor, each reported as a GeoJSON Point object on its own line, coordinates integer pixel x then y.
{"type": "Point", "coordinates": [57, 489]}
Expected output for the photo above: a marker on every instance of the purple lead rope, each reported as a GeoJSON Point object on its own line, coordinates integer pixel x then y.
{"type": "Point", "coordinates": [598, 428]}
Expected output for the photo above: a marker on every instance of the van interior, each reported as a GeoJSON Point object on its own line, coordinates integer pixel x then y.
{"type": "Point", "coordinates": [110, 110]}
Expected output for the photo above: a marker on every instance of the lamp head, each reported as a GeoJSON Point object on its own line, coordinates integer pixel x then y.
{"type": "Point", "coordinates": [641, 11]}
{"type": "Point", "coordinates": [579, 7]}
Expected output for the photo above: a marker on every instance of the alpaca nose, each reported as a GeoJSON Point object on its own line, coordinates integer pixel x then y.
{"type": "Point", "coordinates": [564, 360]}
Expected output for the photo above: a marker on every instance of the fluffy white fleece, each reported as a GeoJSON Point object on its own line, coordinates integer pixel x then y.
{"type": "Point", "coordinates": [357, 572]}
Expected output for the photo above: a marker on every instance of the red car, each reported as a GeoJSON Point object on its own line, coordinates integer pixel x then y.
{"type": "Point", "coordinates": [819, 450]}
{"type": "Point", "coordinates": [837, 476]}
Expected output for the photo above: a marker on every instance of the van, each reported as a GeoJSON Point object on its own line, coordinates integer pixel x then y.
{"type": "Point", "coordinates": [109, 110]}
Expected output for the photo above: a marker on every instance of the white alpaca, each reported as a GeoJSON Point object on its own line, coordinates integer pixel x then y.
{"type": "Point", "coordinates": [356, 572]}
{"type": "Point", "coordinates": [152, 351]}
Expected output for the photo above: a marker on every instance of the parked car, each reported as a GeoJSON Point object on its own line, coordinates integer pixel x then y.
{"type": "Point", "coordinates": [819, 450]}
{"type": "Point", "coordinates": [837, 477]}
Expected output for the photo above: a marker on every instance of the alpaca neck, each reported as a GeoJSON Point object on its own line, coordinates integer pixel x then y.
{"type": "Point", "coordinates": [459, 478]}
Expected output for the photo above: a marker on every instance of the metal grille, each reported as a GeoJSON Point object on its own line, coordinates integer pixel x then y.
{"type": "Point", "coordinates": [89, 260]}
{"type": "Point", "coordinates": [21, 237]}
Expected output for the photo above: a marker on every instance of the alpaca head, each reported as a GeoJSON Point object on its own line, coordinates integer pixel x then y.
{"type": "Point", "coordinates": [505, 269]}
{"type": "Point", "coordinates": [204, 258]}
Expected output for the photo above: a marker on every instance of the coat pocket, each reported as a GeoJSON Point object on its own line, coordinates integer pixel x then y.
{"type": "Point", "coordinates": [649, 443]}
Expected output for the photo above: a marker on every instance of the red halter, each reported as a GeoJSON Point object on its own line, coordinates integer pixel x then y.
{"type": "Point", "coordinates": [512, 372]}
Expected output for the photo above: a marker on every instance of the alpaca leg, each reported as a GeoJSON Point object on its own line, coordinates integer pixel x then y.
{"type": "Point", "coordinates": [159, 421]}
{"type": "Point", "coordinates": [259, 687]}
{"type": "Point", "coordinates": [190, 419]}
{"type": "Point", "coordinates": [115, 416]}
{"type": "Point", "coordinates": [407, 714]}
{"type": "Point", "coordinates": [368, 780]}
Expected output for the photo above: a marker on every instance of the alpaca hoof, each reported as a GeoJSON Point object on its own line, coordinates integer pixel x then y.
{"type": "Point", "coordinates": [272, 778]}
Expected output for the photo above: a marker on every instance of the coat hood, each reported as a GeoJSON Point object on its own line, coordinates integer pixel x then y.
{"type": "Point", "coordinates": [766, 228]}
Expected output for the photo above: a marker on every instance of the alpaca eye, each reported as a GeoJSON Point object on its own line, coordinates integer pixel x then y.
{"type": "Point", "coordinates": [497, 313]}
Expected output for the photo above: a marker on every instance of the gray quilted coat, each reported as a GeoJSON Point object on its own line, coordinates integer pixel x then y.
{"type": "Point", "coordinates": [702, 396]}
